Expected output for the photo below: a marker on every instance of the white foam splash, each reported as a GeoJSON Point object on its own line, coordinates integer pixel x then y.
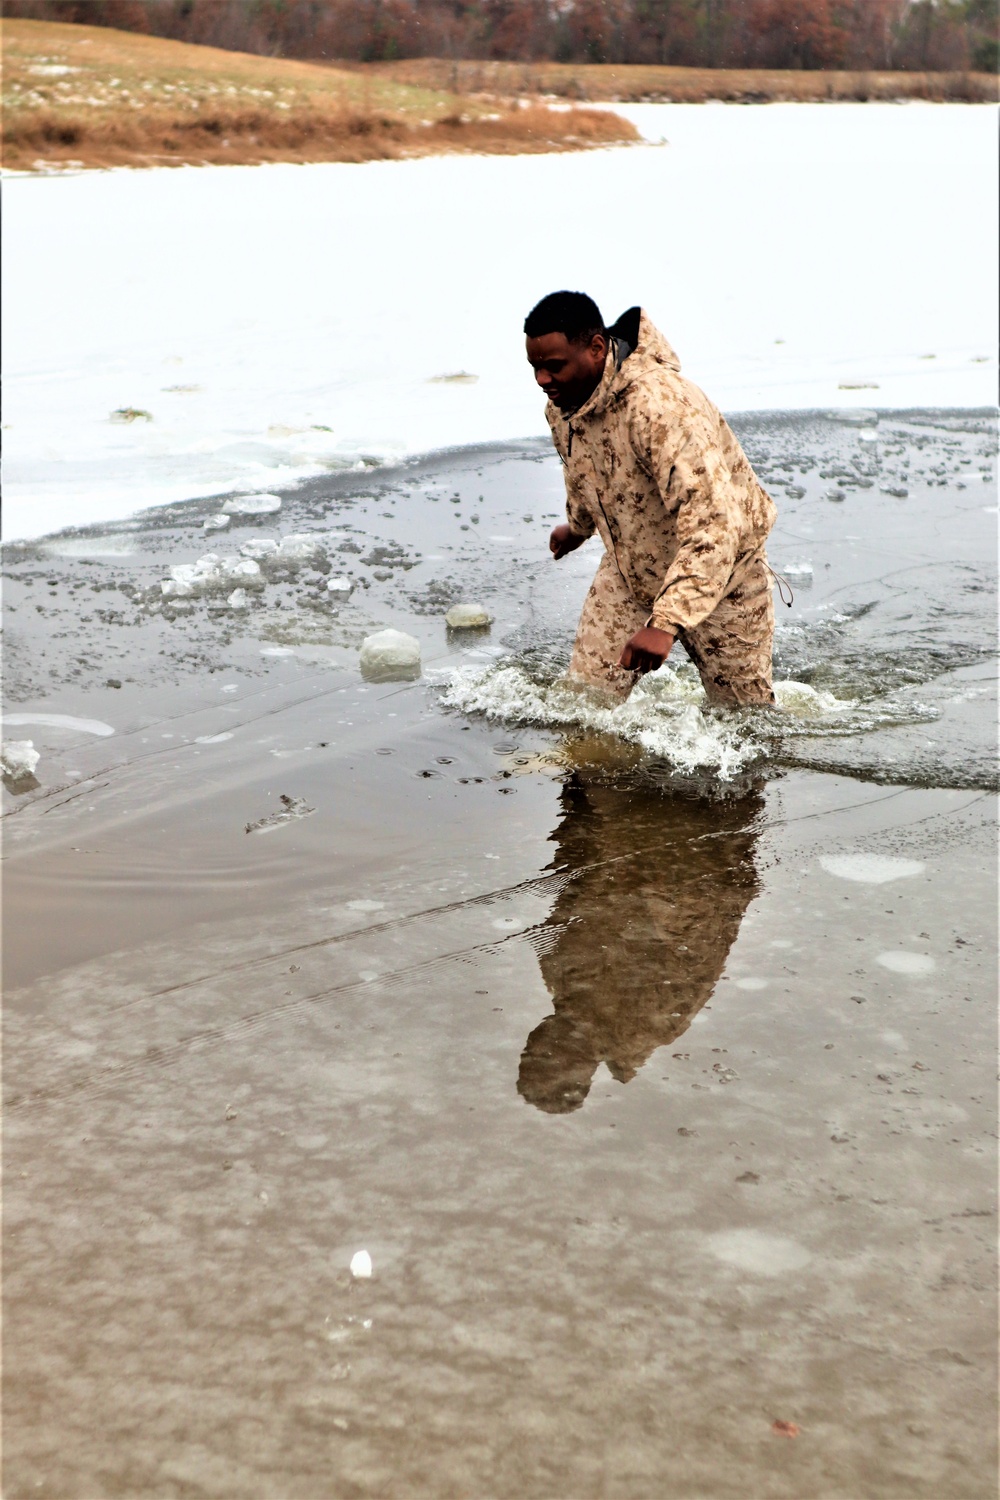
{"type": "Point", "coordinates": [665, 716]}
{"type": "Point", "coordinates": [667, 713]}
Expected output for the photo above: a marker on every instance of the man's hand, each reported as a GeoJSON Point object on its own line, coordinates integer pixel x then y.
{"type": "Point", "coordinates": [564, 539]}
{"type": "Point", "coordinates": [646, 650]}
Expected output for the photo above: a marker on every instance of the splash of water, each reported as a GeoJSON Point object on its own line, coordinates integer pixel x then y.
{"type": "Point", "coordinates": [668, 715]}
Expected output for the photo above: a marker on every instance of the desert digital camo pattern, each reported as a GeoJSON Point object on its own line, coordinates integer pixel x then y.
{"type": "Point", "coordinates": [640, 931]}
{"type": "Point", "coordinates": [731, 648]}
{"type": "Point", "coordinates": [653, 467]}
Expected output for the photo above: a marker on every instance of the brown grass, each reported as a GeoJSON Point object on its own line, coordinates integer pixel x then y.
{"type": "Point", "coordinates": [95, 97]}
{"type": "Point", "coordinates": [641, 84]}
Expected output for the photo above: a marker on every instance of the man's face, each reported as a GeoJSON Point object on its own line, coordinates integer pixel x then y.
{"type": "Point", "coordinates": [568, 373]}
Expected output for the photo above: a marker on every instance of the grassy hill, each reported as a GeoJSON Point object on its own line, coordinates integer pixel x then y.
{"type": "Point", "coordinates": [90, 96]}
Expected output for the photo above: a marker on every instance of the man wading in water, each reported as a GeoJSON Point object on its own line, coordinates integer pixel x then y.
{"type": "Point", "coordinates": [653, 467]}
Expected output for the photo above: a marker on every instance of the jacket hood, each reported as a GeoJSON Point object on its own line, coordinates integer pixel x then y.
{"type": "Point", "coordinates": [636, 347]}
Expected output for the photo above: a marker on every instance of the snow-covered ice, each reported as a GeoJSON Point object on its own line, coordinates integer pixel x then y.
{"type": "Point", "coordinates": [788, 251]}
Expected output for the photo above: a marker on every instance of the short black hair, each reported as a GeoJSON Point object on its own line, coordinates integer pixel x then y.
{"type": "Point", "coordinates": [572, 313]}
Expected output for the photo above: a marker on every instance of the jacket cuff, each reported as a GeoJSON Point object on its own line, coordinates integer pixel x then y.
{"type": "Point", "coordinates": [662, 621]}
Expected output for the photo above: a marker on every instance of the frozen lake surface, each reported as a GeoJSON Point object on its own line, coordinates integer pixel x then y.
{"type": "Point", "coordinates": [283, 322]}
{"type": "Point", "coordinates": [648, 1067]}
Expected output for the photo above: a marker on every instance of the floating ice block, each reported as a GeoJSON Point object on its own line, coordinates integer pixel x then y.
{"type": "Point", "coordinates": [254, 505]}
{"type": "Point", "coordinates": [300, 545]}
{"type": "Point", "coordinates": [18, 758]}
{"type": "Point", "coordinates": [390, 656]}
{"type": "Point", "coordinates": [801, 574]}
{"type": "Point", "coordinates": [361, 1265]}
{"type": "Point", "coordinates": [467, 617]}
{"type": "Point", "coordinates": [239, 567]}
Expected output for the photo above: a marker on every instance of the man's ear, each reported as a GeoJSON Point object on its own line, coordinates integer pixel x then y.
{"type": "Point", "coordinates": [599, 347]}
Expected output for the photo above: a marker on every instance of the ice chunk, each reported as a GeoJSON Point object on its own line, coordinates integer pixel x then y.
{"type": "Point", "coordinates": [239, 567]}
{"type": "Point", "coordinates": [799, 573]}
{"type": "Point", "coordinates": [861, 416]}
{"type": "Point", "coordinates": [340, 587]}
{"type": "Point", "coordinates": [254, 505]}
{"type": "Point", "coordinates": [18, 759]}
{"type": "Point", "coordinates": [361, 1265]}
{"type": "Point", "coordinates": [215, 523]}
{"type": "Point", "coordinates": [390, 656]}
{"type": "Point", "coordinates": [264, 546]}
{"type": "Point", "coordinates": [467, 617]}
{"type": "Point", "coordinates": [238, 599]}
{"type": "Point", "coordinates": [209, 573]}
{"type": "Point", "coordinates": [291, 808]}
{"type": "Point", "coordinates": [300, 544]}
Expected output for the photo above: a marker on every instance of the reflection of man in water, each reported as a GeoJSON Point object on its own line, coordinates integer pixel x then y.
{"type": "Point", "coordinates": [652, 466]}
{"type": "Point", "coordinates": [641, 930]}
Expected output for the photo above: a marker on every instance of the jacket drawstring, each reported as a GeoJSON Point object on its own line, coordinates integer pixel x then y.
{"type": "Point", "coordinates": [783, 584]}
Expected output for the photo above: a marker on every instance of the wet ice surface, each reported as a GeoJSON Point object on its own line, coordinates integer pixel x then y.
{"type": "Point", "coordinates": [660, 1105]}
{"type": "Point", "coordinates": [884, 661]}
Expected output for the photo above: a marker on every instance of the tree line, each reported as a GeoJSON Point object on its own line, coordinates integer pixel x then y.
{"type": "Point", "coordinates": [916, 35]}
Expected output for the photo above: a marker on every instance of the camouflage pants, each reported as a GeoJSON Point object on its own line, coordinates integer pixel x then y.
{"type": "Point", "coordinates": [731, 648]}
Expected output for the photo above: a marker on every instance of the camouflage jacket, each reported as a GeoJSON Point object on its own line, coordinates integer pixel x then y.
{"type": "Point", "coordinates": [654, 468]}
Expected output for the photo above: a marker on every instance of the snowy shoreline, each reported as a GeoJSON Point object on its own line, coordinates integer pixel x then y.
{"type": "Point", "coordinates": [279, 322]}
